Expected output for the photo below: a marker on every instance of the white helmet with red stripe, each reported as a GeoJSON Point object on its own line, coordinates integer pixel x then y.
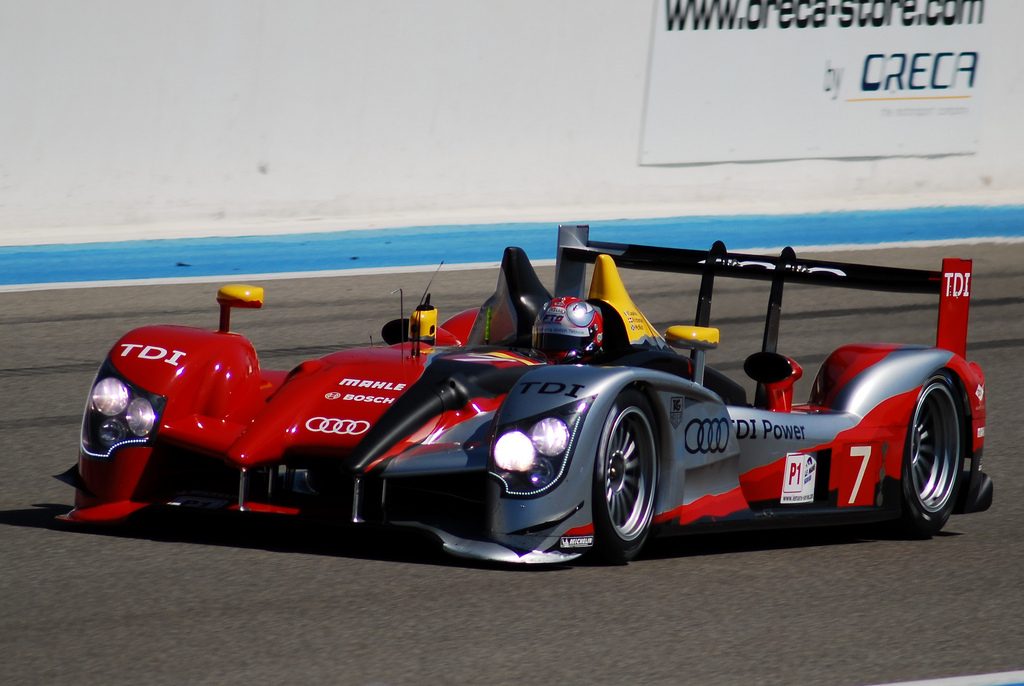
{"type": "Point", "coordinates": [568, 330]}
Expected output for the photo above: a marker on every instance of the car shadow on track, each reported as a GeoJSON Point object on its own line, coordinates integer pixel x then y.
{"type": "Point", "coordinates": [266, 532]}
{"type": "Point", "coordinates": [276, 534]}
{"type": "Point", "coordinates": [699, 545]}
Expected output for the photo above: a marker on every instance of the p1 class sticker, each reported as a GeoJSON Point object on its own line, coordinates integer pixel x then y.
{"type": "Point", "coordinates": [798, 478]}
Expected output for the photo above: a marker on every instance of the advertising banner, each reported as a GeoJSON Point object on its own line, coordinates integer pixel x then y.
{"type": "Point", "coordinates": [745, 80]}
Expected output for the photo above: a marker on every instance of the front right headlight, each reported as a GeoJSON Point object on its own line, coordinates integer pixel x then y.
{"type": "Point", "coordinates": [531, 455]}
{"type": "Point", "coordinates": [118, 413]}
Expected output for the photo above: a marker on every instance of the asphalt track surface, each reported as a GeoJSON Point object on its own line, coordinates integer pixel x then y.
{"type": "Point", "coordinates": [232, 602]}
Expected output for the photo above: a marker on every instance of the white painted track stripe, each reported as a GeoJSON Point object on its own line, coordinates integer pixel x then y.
{"type": "Point", "coordinates": [269, 276]}
{"type": "Point", "coordinates": [996, 679]}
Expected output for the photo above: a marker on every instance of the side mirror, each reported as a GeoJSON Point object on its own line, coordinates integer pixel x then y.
{"type": "Point", "coordinates": [237, 295]}
{"type": "Point", "coordinates": [770, 368]}
{"type": "Point", "coordinates": [692, 337]}
{"type": "Point", "coordinates": [775, 375]}
{"type": "Point", "coordinates": [696, 338]}
{"type": "Point", "coordinates": [395, 331]}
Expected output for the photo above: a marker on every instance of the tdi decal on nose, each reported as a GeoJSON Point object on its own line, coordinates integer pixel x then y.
{"type": "Point", "coordinates": [152, 352]}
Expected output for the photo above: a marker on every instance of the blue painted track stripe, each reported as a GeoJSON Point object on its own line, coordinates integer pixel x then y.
{"type": "Point", "coordinates": [425, 245]}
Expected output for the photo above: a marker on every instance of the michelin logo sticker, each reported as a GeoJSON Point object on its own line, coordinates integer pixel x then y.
{"type": "Point", "coordinates": [798, 478]}
{"type": "Point", "coordinates": [570, 542]}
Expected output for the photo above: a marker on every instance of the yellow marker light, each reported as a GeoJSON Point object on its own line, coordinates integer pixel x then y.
{"type": "Point", "coordinates": [695, 337]}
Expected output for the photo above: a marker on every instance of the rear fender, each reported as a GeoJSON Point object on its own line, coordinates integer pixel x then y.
{"type": "Point", "coordinates": [858, 378]}
{"type": "Point", "coordinates": [970, 381]}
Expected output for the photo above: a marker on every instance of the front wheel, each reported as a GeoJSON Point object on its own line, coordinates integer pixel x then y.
{"type": "Point", "coordinates": [933, 459]}
{"type": "Point", "coordinates": [625, 479]}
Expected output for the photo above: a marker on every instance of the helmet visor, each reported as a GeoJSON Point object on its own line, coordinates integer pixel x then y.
{"type": "Point", "coordinates": [558, 342]}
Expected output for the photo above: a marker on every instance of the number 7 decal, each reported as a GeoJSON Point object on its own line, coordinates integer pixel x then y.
{"type": "Point", "coordinates": [863, 451]}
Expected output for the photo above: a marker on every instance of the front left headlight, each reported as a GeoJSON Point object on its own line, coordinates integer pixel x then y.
{"type": "Point", "coordinates": [109, 396]}
{"type": "Point", "coordinates": [531, 455]}
{"type": "Point", "coordinates": [140, 416]}
{"type": "Point", "coordinates": [118, 413]}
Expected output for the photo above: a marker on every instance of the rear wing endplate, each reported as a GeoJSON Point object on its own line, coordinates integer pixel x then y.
{"type": "Point", "coordinates": [952, 284]}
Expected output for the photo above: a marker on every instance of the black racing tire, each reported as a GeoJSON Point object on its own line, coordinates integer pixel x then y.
{"type": "Point", "coordinates": [625, 479]}
{"type": "Point", "coordinates": [933, 458]}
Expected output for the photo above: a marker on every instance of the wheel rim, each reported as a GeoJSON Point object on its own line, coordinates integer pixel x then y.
{"type": "Point", "coordinates": [629, 473]}
{"type": "Point", "coordinates": [934, 447]}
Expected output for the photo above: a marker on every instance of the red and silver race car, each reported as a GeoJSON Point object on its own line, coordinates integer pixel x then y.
{"type": "Point", "coordinates": [465, 430]}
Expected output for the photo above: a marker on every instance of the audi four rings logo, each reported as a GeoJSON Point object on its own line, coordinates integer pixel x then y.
{"type": "Point", "coordinates": [707, 435]}
{"type": "Point", "coordinates": [342, 427]}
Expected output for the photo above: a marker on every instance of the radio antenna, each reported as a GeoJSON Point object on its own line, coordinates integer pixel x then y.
{"type": "Point", "coordinates": [426, 290]}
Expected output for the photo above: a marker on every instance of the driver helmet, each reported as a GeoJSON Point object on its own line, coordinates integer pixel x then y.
{"type": "Point", "coordinates": [568, 330]}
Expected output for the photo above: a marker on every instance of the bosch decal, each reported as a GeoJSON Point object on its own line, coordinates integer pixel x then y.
{"type": "Point", "coordinates": [341, 427]}
{"type": "Point", "coordinates": [374, 399]}
{"type": "Point", "coordinates": [333, 395]}
{"type": "Point", "coordinates": [707, 435]}
{"type": "Point", "coordinates": [152, 352]}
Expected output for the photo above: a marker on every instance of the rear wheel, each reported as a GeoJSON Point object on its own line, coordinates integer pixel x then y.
{"type": "Point", "coordinates": [933, 459]}
{"type": "Point", "coordinates": [625, 479]}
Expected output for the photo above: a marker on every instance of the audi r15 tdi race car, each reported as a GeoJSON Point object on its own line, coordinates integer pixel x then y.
{"type": "Point", "coordinates": [494, 433]}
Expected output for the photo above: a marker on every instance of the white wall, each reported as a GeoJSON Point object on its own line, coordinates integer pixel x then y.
{"type": "Point", "coordinates": [123, 119]}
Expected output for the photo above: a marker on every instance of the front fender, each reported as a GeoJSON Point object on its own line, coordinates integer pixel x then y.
{"type": "Point", "coordinates": [203, 372]}
{"type": "Point", "coordinates": [548, 387]}
{"type": "Point", "coordinates": [211, 384]}
{"type": "Point", "coordinates": [562, 516]}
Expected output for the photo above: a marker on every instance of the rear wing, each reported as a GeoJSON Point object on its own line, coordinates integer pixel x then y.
{"type": "Point", "coordinates": [952, 284]}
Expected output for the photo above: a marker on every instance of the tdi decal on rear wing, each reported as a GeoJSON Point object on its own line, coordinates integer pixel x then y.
{"type": "Point", "coordinates": [952, 284]}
